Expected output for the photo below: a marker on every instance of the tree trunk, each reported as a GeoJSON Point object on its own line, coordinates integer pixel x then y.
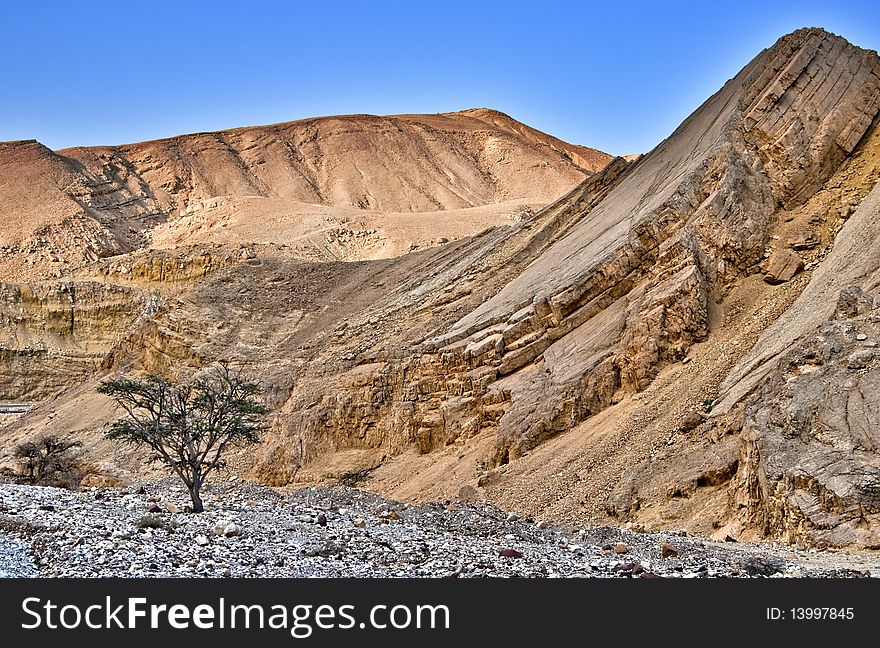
{"type": "Point", "coordinates": [198, 507]}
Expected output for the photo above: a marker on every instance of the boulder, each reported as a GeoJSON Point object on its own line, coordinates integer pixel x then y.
{"type": "Point", "coordinates": [782, 266]}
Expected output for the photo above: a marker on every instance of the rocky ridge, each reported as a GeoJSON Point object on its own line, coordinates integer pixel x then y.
{"type": "Point", "coordinates": [620, 280]}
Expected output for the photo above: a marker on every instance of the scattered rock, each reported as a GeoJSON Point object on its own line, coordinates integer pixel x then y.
{"type": "Point", "coordinates": [782, 266]}
{"type": "Point", "coordinates": [803, 240]}
{"type": "Point", "coordinates": [860, 359]}
{"type": "Point", "coordinates": [763, 566]}
{"type": "Point", "coordinates": [220, 527]}
{"type": "Point", "coordinates": [462, 541]}
{"type": "Point", "coordinates": [171, 508]}
{"type": "Point", "coordinates": [467, 494]}
{"type": "Point", "coordinates": [331, 548]}
{"type": "Point", "coordinates": [668, 551]}
{"type": "Point", "coordinates": [231, 530]}
{"type": "Point", "coordinates": [627, 568]}
{"type": "Point", "coordinates": [150, 522]}
{"type": "Point", "coordinates": [690, 421]}
{"type": "Point", "coordinates": [620, 548]}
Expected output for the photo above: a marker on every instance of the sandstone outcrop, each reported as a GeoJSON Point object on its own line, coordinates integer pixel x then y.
{"type": "Point", "coordinates": [54, 335]}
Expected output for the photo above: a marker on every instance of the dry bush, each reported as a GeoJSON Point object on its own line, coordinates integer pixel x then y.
{"type": "Point", "coordinates": [49, 460]}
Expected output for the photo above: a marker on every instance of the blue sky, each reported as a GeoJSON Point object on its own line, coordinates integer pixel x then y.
{"type": "Point", "coordinates": [619, 76]}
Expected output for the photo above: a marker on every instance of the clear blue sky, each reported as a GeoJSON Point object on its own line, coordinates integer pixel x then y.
{"type": "Point", "coordinates": [617, 75]}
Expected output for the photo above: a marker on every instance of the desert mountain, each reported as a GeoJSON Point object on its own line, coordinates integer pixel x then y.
{"type": "Point", "coordinates": [686, 339]}
{"type": "Point", "coordinates": [315, 183]}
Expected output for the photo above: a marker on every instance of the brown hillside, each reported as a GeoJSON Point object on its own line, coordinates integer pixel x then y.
{"type": "Point", "coordinates": [296, 181]}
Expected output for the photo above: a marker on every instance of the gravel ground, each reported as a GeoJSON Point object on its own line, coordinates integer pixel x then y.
{"type": "Point", "coordinates": [252, 531]}
{"type": "Point", "coordinates": [16, 558]}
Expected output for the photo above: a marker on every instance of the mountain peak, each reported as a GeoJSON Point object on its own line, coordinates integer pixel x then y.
{"type": "Point", "coordinates": [305, 173]}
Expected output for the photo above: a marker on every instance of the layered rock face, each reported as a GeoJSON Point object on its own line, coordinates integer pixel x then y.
{"type": "Point", "coordinates": [375, 383]}
{"type": "Point", "coordinates": [805, 107]}
{"type": "Point", "coordinates": [810, 462]}
{"type": "Point", "coordinates": [54, 335]}
{"type": "Point", "coordinates": [810, 466]}
{"type": "Point", "coordinates": [795, 417]}
{"type": "Point", "coordinates": [626, 285]}
{"type": "Point", "coordinates": [626, 291]}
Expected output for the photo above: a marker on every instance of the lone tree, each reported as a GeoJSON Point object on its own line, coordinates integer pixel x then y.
{"type": "Point", "coordinates": [188, 426]}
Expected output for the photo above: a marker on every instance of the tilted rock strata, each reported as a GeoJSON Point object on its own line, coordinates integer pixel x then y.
{"type": "Point", "coordinates": [625, 287]}
{"type": "Point", "coordinates": [57, 334]}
